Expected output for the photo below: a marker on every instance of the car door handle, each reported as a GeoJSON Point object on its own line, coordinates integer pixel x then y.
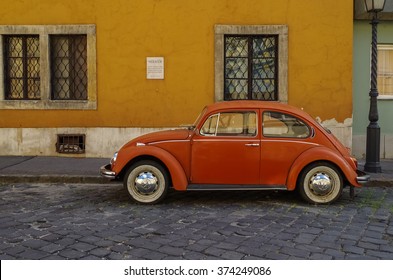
{"type": "Point", "coordinates": [252, 145]}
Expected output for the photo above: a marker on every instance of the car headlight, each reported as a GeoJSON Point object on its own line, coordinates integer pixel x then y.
{"type": "Point", "coordinates": [113, 159]}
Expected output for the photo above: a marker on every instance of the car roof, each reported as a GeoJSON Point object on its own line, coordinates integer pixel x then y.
{"type": "Point", "coordinates": [253, 104]}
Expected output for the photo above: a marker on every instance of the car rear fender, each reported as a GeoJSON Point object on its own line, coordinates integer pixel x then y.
{"type": "Point", "coordinates": [320, 154]}
{"type": "Point", "coordinates": [176, 171]}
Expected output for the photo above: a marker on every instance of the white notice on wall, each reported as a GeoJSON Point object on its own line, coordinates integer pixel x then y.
{"type": "Point", "coordinates": [155, 68]}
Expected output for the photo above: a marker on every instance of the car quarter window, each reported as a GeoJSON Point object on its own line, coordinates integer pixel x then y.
{"type": "Point", "coordinates": [277, 124]}
{"type": "Point", "coordinates": [231, 124]}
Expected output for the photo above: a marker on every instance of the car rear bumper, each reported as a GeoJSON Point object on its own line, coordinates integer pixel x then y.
{"type": "Point", "coordinates": [106, 172]}
{"type": "Point", "coordinates": [362, 177]}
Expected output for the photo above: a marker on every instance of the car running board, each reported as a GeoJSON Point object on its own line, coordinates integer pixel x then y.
{"type": "Point", "coordinates": [213, 187]}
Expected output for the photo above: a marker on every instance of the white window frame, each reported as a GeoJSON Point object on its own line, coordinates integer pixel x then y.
{"type": "Point", "coordinates": [385, 47]}
{"type": "Point", "coordinates": [44, 32]}
{"type": "Point", "coordinates": [280, 30]}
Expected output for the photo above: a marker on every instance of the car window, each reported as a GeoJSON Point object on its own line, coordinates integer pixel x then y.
{"type": "Point", "coordinates": [276, 124]}
{"type": "Point", "coordinates": [231, 124]}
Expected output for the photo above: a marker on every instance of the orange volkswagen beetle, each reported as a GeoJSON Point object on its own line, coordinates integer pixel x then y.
{"type": "Point", "coordinates": [238, 145]}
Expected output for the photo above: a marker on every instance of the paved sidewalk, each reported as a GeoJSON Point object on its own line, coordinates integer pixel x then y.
{"type": "Point", "coordinates": [20, 169]}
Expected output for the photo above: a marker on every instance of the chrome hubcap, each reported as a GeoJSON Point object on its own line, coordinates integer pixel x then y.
{"type": "Point", "coordinates": [321, 184]}
{"type": "Point", "coordinates": [146, 183]}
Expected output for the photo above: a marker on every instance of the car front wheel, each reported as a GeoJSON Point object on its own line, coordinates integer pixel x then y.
{"type": "Point", "coordinates": [146, 182]}
{"type": "Point", "coordinates": [320, 183]}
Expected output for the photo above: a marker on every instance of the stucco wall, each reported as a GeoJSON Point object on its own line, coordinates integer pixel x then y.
{"type": "Point", "coordinates": [100, 141]}
{"type": "Point", "coordinates": [182, 31]}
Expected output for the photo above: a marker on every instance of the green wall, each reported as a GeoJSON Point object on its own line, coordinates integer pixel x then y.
{"type": "Point", "coordinates": [361, 78]}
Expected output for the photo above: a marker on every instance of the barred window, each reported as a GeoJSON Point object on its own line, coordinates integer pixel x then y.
{"type": "Point", "coordinates": [21, 67]}
{"type": "Point", "coordinates": [251, 67]}
{"type": "Point", "coordinates": [53, 66]}
{"type": "Point", "coordinates": [68, 67]}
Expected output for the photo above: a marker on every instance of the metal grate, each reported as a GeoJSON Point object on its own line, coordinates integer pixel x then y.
{"type": "Point", "coordinates": [69, 67]}
{"type": "Point", "coordinates": [251, 68]}
{"type": "Point", "coordinates": [71, 143]}
{"type": "Point", "coordinates": [21, 67]}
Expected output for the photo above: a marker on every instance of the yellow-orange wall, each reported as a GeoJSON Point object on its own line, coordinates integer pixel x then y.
{"type": "Point", "coordinates": [182, 31]}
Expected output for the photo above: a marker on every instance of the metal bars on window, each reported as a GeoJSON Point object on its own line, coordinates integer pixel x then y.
{"type": "Point", "coordinates": [68, 67]}
{"type": "Point", "coordinates": [21, 67]}
{"type": "Point", "coordinates": [251, 67]}
{"type": "Point", "coordinates": [71, 143]}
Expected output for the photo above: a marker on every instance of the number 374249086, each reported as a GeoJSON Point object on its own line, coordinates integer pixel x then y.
{"type": "Point", "coordinates": [236, 270]}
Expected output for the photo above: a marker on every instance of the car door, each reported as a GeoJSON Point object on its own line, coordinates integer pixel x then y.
{"type": "Point", "coordinates": [283, 138]}
{"type": "Point", "coordinates": [226, 149]}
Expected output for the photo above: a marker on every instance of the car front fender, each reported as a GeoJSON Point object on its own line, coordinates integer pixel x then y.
{"type": "Point", "coordinates": [131, 153]}
{"type": "Point", "coordinates": [320, 154]}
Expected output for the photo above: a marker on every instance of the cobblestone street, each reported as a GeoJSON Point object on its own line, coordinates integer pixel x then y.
{"type": "Point", "coordinates": [86, 221]}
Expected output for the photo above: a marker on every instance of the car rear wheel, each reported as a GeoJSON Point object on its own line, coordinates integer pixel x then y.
{"type": "Point", "coordinates": [146, 182]}
{"type": "Point", "coordinates": [320, 183]}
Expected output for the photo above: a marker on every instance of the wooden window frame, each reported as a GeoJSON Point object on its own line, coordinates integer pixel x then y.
{"type": "Point", "coordinates": [384, 75]}
{"type": "Point", "coordinates": [21, 73]}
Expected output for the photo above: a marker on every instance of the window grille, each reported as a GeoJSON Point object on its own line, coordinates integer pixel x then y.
{"type": "Point", "coordinates": [251, 67]}
{"type": "Point", "coordinates": [68, 67]}
{"type": "Point", "coordinates": [21, 67]}
{"type": "Point", "coordinates": [71, 143]}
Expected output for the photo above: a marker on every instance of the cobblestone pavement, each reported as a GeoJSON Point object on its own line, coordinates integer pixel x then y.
{"type": "Point", "coordinates": [44, 221]}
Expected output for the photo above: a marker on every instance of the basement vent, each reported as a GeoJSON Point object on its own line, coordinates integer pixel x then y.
{"type": "Point", "coordinates": [71, 143]}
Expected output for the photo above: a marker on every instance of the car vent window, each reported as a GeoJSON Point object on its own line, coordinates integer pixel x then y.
{"type": "Point", "coordinates": [210, 126]}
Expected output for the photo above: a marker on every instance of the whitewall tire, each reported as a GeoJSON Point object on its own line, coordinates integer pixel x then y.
{"type": "Point", "coordinates": [146, 182]}
{"type": "Point", "coordinates": [320, 183]}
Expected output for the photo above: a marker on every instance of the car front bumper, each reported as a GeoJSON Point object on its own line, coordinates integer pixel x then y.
{"type": "Point", "coordinates": [362, 177]}
{"type": "Point", "coordinates": [106, 172]}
